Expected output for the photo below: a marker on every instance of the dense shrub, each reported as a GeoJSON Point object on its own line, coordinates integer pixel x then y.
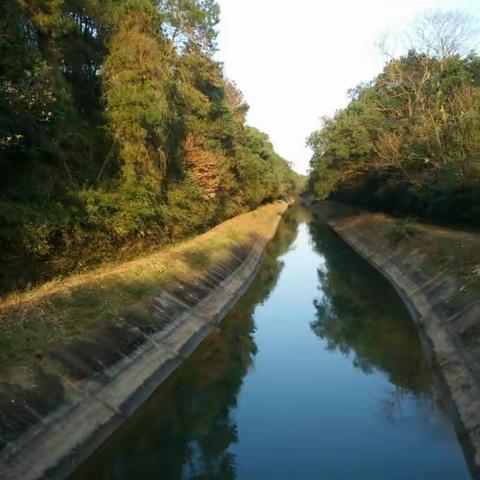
{"type": "Point", "coordinates": [118, 131]}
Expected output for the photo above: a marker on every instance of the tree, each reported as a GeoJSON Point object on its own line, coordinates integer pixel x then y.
{"type": "Point", "coordinates": [118, 129]}
{"type": "Point", "coordinates": [409, 139]}
{"type": "Point", "coordinates": [203, 166]}
{"type": "Point", "coordinates": [190, 23]}
{"type": "Point", "coordinates": [442, 34]}
{"type": "Point", "coordinates": [134, 77]}
{"type": "Point", "coordinates": [236, 101]}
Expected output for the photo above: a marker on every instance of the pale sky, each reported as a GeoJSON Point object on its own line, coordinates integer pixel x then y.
{"type": "Point", "coordinates": [295, 60]}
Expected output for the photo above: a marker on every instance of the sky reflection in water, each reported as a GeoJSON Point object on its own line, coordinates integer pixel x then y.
{"type": "Point", "coordinates": [316, 374]}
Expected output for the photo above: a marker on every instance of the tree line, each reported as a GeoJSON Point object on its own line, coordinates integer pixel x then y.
{"type": "Point", "coordinates": [119, 130]}
{"type": "Point", "coordinates": [409, 140]}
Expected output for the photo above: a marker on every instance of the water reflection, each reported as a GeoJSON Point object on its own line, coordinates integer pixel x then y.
{"type": "Point", "coordinates": [186, 428]}
{"type": "Point", "coordinates": [296, 408]}
{"type": "Point", "coordinates": [360, 315]}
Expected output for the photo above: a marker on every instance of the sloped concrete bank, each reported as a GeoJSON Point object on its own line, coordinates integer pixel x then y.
{"type": "Point", "coordinates": [441, 293]}
{"type": "Point", "coordinates": [75, 411]}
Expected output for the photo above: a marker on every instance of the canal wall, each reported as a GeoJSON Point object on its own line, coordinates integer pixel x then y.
{"type": "Point", "coordinates": [98, 381]}
{"type": "Point", "coordinates": [436, 273]}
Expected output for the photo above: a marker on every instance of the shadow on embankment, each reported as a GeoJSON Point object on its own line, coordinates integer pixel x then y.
{"type": "Point", "coordinates": [185, 429]}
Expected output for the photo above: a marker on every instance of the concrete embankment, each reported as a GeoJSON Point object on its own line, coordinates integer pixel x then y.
{"type": "Point", "coordinates": [55, 413]}
{"type": "Point", "coordinates": [436, 271]}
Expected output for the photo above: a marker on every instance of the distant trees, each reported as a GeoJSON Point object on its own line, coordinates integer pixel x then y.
{"type": "Point", "coordinates": [118, 128]}
{"type": "Point", "coordinates": [410, 139]}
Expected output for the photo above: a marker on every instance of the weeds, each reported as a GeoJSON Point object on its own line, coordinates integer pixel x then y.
{"type": "Point", "coordinates": [402, 230]}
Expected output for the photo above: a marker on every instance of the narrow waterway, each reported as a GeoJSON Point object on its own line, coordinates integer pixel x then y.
{"type": "Point", "coordinates": [316, 374]}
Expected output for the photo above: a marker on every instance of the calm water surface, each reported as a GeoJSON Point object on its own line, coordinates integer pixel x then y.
{"type": "Point", "coordinates": [316, 374]}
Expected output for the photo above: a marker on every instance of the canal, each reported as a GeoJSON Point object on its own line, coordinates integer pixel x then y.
{"type": "Point", "coordinates": [317, 373]}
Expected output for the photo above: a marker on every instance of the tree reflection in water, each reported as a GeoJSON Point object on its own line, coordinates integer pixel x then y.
{"type": "Point", "coordinates": [359, 314]}
{"type": "Point", "coordinates": [301, 404]}
{"type": "Point", "coordinates": [185, 429]}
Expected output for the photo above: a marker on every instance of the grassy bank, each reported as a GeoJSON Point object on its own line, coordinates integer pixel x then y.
{"type": "Point", "coordinates": [32, 322]}
{"type": "Point", "coordinates": [440, 251]}
{"type": "Point", "coordinates": [440, 255]}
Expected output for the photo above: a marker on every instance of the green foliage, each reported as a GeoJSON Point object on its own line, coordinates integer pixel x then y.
{"type": "Point", "coordinates": [118, 131]}
{"type": "Point", "coordinates": [408, 141]}
{"type": "Point", "coordinates": [27, 97]}
{"type": "Point", "coordinates": [263, 173]}
{"type": "Point", "coordinates": [402, 229]}
{"type": "Point", "coordinates": [190, 22]}
{"type": "Point", "coordinates": [134, 78]}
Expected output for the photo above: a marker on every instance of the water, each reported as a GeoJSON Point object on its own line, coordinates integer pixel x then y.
{"type": "Point", "coordinates": [316, 374]}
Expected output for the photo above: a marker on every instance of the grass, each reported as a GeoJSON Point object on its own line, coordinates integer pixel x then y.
{"type": "Point", "coordinates": [31, 322]}
{"type": "Point", "coordinates": [443, 251]}
{"type": "Point", "coordinates": [401, 230]}
{"type": "Point", "coordinates": [445, 262]}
